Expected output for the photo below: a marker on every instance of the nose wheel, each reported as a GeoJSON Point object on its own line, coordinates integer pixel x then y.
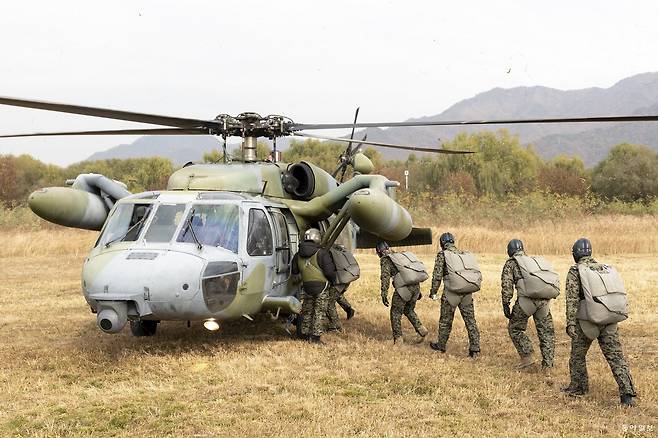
{"type": "Point", "coordinates": [143, 328]}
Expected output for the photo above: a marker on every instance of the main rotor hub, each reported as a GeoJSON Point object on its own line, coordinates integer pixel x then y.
{"type": "Point", "coordinates": [250, 124]}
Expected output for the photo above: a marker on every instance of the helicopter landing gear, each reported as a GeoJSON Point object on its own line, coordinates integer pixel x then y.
{"type": "Point", "coordinates": [143, 328]}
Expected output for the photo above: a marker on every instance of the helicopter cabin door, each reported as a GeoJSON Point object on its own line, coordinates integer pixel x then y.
{"type": "Point", "coordinates": [282, 250]}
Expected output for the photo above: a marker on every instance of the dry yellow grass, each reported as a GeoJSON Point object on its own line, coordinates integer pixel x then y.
{"type": "Point", "coordinates": [60, 376]}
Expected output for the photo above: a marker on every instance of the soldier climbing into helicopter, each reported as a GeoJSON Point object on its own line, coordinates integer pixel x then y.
{"type": "Point", "coordinates": [318, 272]}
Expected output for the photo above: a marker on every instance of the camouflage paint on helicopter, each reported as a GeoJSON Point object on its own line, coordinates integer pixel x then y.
{"type": "Point", "coordinates": [188, 253]}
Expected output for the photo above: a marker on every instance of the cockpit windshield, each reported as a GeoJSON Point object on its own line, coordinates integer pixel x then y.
{"type": "Point", "coordinates": [164, 223]}
{"type": "Point", "coordinates": [126, 223]}
{"type": "Point", "coordinates": [213, 225]}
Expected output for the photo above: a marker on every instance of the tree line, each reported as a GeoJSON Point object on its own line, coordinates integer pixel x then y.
{"type": "Point", "coordinates": [501, 167]}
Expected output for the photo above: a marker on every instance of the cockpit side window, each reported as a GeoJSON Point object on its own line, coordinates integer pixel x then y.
{"type": "Point", "coordinates": [126, 223]}
{"type": "Point", "coordinates": [164, 223]}
{"type": "Point", "coordinates": [259, 234]}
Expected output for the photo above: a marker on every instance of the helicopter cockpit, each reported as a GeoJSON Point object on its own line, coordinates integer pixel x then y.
{"type": "Point", "coordinates": [189, 256]}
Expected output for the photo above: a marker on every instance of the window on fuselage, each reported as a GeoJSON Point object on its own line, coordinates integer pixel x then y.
{"type": "Point", "coordinates": [126, 223]}
{"type": "Point", "coordinates": [259, 234]}
{"type": "Point", "coordinates": [213, 225]}
{"type": "Point", "coordinates": [164, 223]}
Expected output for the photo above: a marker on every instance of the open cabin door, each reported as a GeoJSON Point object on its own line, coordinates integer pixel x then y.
{"type": "Point", "coordinates": [285, 245]}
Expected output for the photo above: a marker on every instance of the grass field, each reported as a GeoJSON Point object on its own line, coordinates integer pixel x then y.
{"type": "Point", "coordinates": [60, 376]}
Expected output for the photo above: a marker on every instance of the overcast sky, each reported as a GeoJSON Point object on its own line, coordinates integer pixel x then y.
{"type": "Point", "coordinates": [312, 61]}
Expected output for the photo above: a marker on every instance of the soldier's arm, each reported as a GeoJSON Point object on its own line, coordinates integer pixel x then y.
{"type": "Point", "coordinates": [437, 274]}
{"type": "Point", "coordinates": [385, 277]}
{"type": "Point", "coordinates": [572, 295]}
{"type": "Point", "coordinates": [507, 281]}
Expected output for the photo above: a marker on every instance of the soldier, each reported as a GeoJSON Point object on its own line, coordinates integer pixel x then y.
{"type": "Point", "coordinates": [318, 274]}
{"type": "Point", "coordinates": [461, 277]}
{"type": "Point", "coordinates": [596, 301]}
{"type": "Point", "coordinates": [407, 273]}
{"type": "Point", "coordinates": [536, 284]}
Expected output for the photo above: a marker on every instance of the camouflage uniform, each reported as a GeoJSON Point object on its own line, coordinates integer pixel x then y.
{"type": "Point", "coordinates": [518, 321]}
{"type": "Point", "coordinates": [400, 307]}
{"type": "Point", "coordinates": [314, 309]}
{"type": "Point", "coordinates": [332, 321]}
{"type": "Point", "coordinates": [608, 341]}
{"type": "Point", "coordinates": [343, 303]}
{"type": "Point", "coordinates": [466, 307]}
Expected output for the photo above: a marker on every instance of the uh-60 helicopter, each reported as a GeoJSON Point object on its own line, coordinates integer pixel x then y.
{"type": "Point", "coordinates": [217, 243]}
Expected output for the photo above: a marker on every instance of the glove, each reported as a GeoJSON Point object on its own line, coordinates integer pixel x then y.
{"type": "Point", "coordinates": [385, 300]}
{"type": "Point", "coordinates": [571, 331]}
{"type": "Point", "coordinates": [506, 310]}
{"type": "Point", "coordinates": [433, 297]}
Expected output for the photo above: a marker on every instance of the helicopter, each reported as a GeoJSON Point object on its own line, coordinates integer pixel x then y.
{"type": "Point", "coordinates": [217, 243]}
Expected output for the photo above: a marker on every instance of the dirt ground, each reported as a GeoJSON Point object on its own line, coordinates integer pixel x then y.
{"type": "Point", "coordinates": [60, 376]}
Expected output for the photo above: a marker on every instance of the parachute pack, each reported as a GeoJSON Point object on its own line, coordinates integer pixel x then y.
{"type": "Point", "coordinates": [347, 268]}
{"type": "Point", "coordinates": [538, 280]}
{"type": "Point", "coordinates": [605, 299]}
{"type": "Point", "coordinates": [410, 270]}
{"type": "Point", "coordinates": [462, 274]}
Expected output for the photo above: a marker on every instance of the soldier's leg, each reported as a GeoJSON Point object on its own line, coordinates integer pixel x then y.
{"type": "Point", "coordinates": [307, 314]}
{"type": "Point", "coordinates": [445, 323]}
{"type": "Point", "coordinates": [319, 311]}
{"type": "Point", "coordinates": [397, 310]}
{"type": "Point", "coordinates": [578, 362]}
{"type": "Point", "coordinates": [546, 335]}
{"type": "Point", "coordinates": [332, 321]}
{"type": "Point", "coordinates": [611, 348]}
{"type": "Point", "coordinates": [410, 313]}
{"type": "Point", "coordinates": [516, 328]}
{"type": "Point", "coordinates": [467, 310]}
{"type": "Point", "coordinates": [344, 303]}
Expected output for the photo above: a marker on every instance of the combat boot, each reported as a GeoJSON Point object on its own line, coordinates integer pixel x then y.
{"type": "Point", "coordinates": [350, 313]}
{"type": "Point", "coordinates": [436, 347]}
{"type": "Point", "coordinates": [313, 339]}
{"type": "Point", "coordinates": [397, 342]}
{"type": "Point", "coordinates": [422, 332]}
{"type": "Point", "coordinates": [573, 391]}
{"type": "Point", "coordinates": [548, 374]}
{"type": "Point", "coordinates": [473, 354]}
{"type": "Point", "coordinates": [628, 400]}
{"type": "Point", "coordinates": [526, 361]}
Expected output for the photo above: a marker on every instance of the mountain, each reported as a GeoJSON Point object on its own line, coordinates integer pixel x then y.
{"type": "Point", "coordinates": [634, 95]}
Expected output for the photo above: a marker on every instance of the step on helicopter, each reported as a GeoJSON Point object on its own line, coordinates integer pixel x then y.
{"type": "Point", "coordinates": [216, 244]}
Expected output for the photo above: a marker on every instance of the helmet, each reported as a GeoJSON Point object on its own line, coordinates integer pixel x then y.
{"type": "Point", "coordinates": [445, 239]}
{"type": "Point", "coordinates": [382, 248]}
{"type": "Point", "coordinates": [582, 248]}
{"type": "Point", "coordinates": [514, 246]}
{"type": "Point", "coordinates": [312, 234]}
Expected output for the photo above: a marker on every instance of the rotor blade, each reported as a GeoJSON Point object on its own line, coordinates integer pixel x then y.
{"type": "Point", "coordinates": [605, 119]}
{"type": "Point", "coordinates": [107, 113]}
{"type": "Point", "coordinates": [153, 131]}
{"type": "Point", "coordinates": [356, 116]}
{"type": "Point", "coordinates": [385, 145]}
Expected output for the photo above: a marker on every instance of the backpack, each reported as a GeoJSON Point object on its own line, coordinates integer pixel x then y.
{"type": "Point", "coordinates": [605, 299]}
{"type": "Point", "coordinates": [538, 280]}
{"type": "Point", "coordinates": [410, 270]}
{"type": "Point", "coordinates": [462, 274]}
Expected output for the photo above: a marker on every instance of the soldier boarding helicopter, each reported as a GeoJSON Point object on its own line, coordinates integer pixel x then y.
{"type": "Point", "coordinates": [217, 243]}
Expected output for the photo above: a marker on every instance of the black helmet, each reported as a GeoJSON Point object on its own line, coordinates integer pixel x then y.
{"type": "Point", "coordinates": [514, 246]}
{"type": "Point", "coordinates": [582, 248]}
{"type": "Point", "coordinates": [381, 248]}
{"type": "Point", "coordinates": [445, 239]}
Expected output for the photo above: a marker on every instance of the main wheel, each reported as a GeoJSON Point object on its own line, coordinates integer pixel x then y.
{"type": "Point", "coordinates": [143, 328]}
